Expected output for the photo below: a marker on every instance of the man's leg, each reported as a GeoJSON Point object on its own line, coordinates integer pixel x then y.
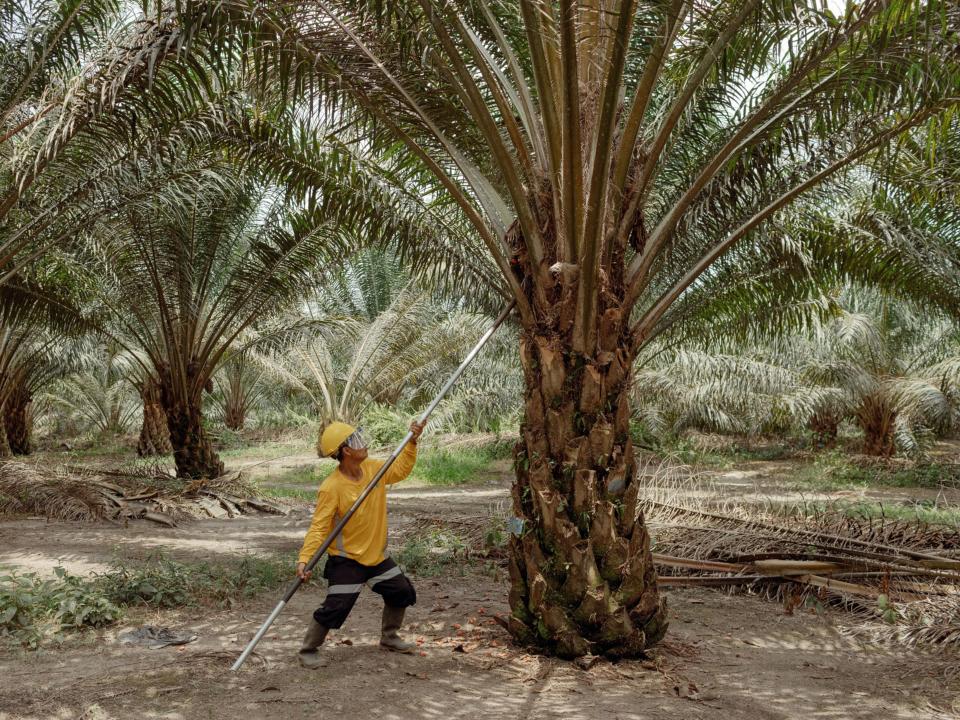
{"type": "Point", "coordinates": [388, 580]}
{"type": "Point", "coordinates": [346, 579]}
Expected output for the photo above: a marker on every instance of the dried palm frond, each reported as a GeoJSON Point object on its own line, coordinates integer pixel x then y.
{"type": "Point", "coordinates": [880, 569]}
{"type": "Point", "coordinates": [24, 490]}
{"type": "Point", "coordinates": [84, 494]}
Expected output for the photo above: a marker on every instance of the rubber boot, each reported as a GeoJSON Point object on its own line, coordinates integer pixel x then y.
{"type": "Point", "coordinates": [389, 639]}
{"type": "Point", "coordinates": [309, 656]}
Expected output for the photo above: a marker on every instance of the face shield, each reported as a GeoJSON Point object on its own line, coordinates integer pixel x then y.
{"type": "Point", "coordinates": [357, 440]}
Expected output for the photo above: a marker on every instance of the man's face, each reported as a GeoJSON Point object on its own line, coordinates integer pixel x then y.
{"type": "Point", "coordinates": [355, 454]}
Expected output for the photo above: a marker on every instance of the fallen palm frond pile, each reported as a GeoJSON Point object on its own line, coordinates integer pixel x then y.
{"type": "Point", "coordinates": [902, 579]}
{"type": "Point", "coordinates": [903, 574]}
{"type": "Point", "coordinates": [119, 495]}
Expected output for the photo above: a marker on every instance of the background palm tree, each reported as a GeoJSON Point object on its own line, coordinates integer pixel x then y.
{"type": "Point", "coordinates": [101, 395]}
{"type": "Point", "coordinates": [373, 337]}
{"type": "Point", "coordinates": [237, 387]}
{"type": "Point", "coordinates": [184, 277]}
{"type": "Point", "coordinates": [895, 367]}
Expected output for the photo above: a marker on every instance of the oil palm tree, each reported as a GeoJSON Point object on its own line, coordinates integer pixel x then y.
{"type": "Point", "coordinates": [894, 366]}
{"type": "Point", "coordinates": [373, 336]}
{"type": "Point", "coordinates": [100, 394]}
{"type": "Point", "coordinates": [622, 163]}
{"type": "Point", "coordinates": [747, 391]}
{"type": "Point", "coordinates": [79, 78]}
{"type": "Point", "coordinates": [184, 276]}
{"type": "Point", "coordinates": [238, 387]}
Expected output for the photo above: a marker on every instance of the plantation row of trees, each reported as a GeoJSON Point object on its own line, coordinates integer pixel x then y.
{"type": "Point", "coordinates": [639, 176]}
{"type": "Point", "coordinates": [371, 346]}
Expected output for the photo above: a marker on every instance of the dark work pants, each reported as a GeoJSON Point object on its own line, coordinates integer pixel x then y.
{"type": "Point", "coordinates": [347, 577]}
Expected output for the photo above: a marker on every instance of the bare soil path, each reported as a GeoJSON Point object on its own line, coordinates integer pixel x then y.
{"type": "Point", "coordinates": [725, 657]}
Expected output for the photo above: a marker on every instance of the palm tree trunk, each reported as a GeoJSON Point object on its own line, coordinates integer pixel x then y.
{"type": "Point", "coordinates": [193, 452]}
{"type": "Point", "coordinates": [876, 418]}
{"type": "Point", "coordinates": [582, 576]}
{"type": "Point", "coordinates": [235, 406]}
{"type": "Point", "coordinates": [825, 427]}
{"type": "Point", "coordinates": [5, 451]}
{"type": "Point", "coordinates": [154, 434]}
{"type": "Point", "coordinates": [18, 421]}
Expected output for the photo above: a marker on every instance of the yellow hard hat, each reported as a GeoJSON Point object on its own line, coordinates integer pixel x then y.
{"type": "Point", "coordinates": [333, 436]}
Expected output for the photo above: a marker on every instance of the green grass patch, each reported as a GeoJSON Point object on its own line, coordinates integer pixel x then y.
{"type": "Point", "coordinates": [927, 512]}
{"type": "Point", "coordinates": [441, 551]}
{"type": "Point", "coordinates": [435, 466]}
{"type": "Point", "coordinates": [291, 493]}
{"type": "Point", "coordinates": [300, 483]}
{"type": "Point", "coordinates": [262, 451]}
{"type": "Point", "coordinates": [834, 471]}
{"type": "Point", "coordinates": [35, 609]}
{"type": "Point", "coordinates": [456, 466]}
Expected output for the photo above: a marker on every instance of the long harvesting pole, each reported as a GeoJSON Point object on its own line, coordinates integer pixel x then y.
{"type": "Point", "coordinates": [338, 528]}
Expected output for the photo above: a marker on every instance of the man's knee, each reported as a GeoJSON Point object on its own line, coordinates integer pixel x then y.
{"type": "Point", "coordinates": [335, 609]}
{"type": "Point", "coordinates": [398, 592]}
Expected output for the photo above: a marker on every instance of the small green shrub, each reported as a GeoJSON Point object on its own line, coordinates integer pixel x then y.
{"type": "Point", "coordinates": [31, 607]}
{"type": "Point", "coordinates": [161, 581]}
{"type": "Point", "coordinates": [82, 604]}
{"type": "Point", "coordinates": [385, 425]}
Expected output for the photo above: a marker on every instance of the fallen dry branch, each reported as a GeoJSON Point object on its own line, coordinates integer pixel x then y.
{"type": "Point", "coordinates": [118, 496]}
{"type": "Point", "coordinates": [902, 579]}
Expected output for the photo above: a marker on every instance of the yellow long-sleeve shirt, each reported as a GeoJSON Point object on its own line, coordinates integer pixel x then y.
{"type": "Point", "coordinates": [364, 537]}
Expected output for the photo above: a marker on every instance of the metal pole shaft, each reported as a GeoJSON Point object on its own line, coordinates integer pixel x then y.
{"type": "Point", "coordinates": [338, 528]}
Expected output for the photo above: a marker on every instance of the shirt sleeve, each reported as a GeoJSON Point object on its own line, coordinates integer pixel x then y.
{"type": "Point", "coordinates": [320, 525]}
{"type": "Point", "coordinates": [402, 465]}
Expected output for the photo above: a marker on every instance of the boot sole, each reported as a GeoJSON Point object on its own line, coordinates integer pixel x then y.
{"type": "Point", "coordinates": [310, 664]}
{"type": "Point", "coordinates": [405, 651]}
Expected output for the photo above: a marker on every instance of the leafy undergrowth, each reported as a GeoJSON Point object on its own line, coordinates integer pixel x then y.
{"type": "Point", "coordinates": [455, 467]}
{"type": "Point", "coordinates": [435, 466]}
{"type": "Point", "coordinates": [434, 549]}
{"type": "Point", "coordinates": [35, 610]}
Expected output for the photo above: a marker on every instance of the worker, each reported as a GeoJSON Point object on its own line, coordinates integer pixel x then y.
{"type": "Point", "coordinates": [356, 558]}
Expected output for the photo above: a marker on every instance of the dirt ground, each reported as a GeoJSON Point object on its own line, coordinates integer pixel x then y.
{"type": "Point", "coordinates": [725, 656]}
